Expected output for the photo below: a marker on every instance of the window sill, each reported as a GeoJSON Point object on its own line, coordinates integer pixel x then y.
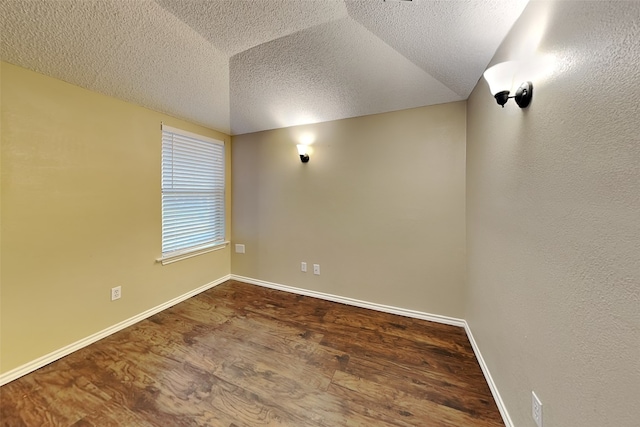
{"type": "Point", "coordinates": [174, 257]}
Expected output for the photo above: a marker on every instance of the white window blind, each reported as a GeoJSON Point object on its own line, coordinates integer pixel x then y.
{"type": "Point", "coordinates": [193, 186]}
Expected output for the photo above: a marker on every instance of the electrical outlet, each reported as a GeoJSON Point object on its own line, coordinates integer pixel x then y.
{"type": "Point", "coordinates": [303, 267]}
{"type": "Point", "coordinates": [536, 409]}
{"type": "Point", "coordinates": [239, 248]}
{"type": "Point", "coordinates": [316, 269]}
{"type": "Point", "coordinates": [116, 293]}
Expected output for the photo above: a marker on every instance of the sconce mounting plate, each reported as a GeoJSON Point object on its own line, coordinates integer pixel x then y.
{"type": "Point", "coordinates": [524, 94]}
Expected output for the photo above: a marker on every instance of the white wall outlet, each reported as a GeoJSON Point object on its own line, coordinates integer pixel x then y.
{"type": "Point", "coordinates": [536, 409]}
{"type": "Point", "coordinates": [303, 267]}
{"type": "Point", "coordinates": [239, 249]}
{"type": "Point", "coordinates": [316, 269]}
{"type": "Point", "coordinates": [116, 293]}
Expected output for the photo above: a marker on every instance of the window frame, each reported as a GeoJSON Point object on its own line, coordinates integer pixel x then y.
{"type": "Point", "coordinates": [217, 193]}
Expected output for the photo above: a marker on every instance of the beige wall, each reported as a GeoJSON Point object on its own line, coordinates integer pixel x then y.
{"type": "Point", "coordinates": [380, 206]}
{"type": "Point", "coordinates": [553, 220]}
{"type": "Point", "coordinates": [81, 214]}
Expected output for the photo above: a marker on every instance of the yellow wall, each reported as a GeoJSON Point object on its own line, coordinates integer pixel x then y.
{"type": "Point", "coordinates": [81, 213]}
{"type": "Point", "coordinates": [380, 206]}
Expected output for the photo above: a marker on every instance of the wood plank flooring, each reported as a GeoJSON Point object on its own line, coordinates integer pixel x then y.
{"type": "Point", "coordinates": [240, 355]}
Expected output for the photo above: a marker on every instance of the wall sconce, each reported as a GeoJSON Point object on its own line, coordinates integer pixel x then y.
{"type": "Point", "coordinates": [500, 79]}
{"type": "Point", "coordinates": [304, 155]}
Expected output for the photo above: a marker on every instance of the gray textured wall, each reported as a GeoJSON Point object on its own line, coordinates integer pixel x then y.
{"type": "Point", "coordinates": [553, 219]}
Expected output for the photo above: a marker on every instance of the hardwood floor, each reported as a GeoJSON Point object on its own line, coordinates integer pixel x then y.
{"type": "Point", "coordinates": [240, 355]}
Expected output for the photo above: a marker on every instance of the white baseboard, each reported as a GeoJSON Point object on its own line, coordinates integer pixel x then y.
{"type": "Point", "coordinates": [401, 312]}
{"type": "Point", "coordinates": [354, 302]}
{"type": "Point", "coordinates": [487, 375]}
{"type": "Point", "coordinates": [64, 351]}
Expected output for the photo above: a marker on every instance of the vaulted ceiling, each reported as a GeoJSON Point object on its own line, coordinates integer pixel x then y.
{"type": "Point", "coordinates": [242, 66]}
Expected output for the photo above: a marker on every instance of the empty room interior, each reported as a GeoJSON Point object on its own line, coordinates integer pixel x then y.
{"type": "Point", "coordinates": [399, 238]}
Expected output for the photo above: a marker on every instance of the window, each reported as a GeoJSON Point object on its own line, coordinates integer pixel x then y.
{"type": "Point", "coordinates": [193, 186]}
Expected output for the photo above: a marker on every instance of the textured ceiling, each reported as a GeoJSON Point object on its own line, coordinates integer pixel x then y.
{"type": "Point", "coordinates": [242, 66]}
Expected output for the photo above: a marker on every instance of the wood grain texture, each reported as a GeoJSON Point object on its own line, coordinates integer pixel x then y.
{"type": "Point", "coordinates": [239, 355]}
